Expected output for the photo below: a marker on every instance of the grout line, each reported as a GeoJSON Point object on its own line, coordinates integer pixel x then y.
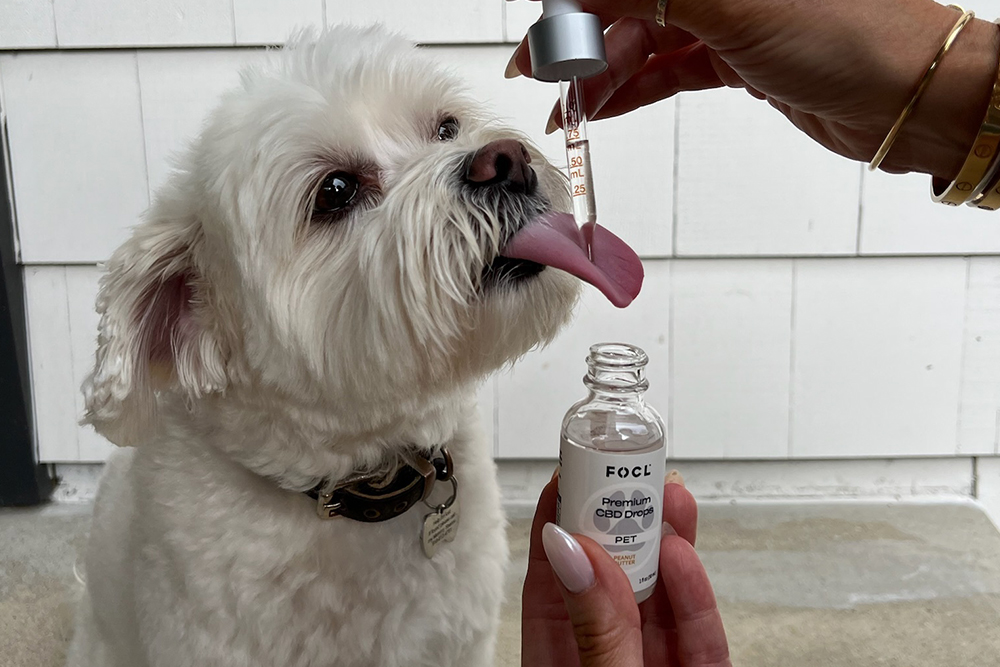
{"type": "Point", "coordinates": [496, 415]}
{"type": "Point", "coordinates": [142, 128]}
{"type": "Point", "coordinates": [996, 434]}
{"type": "Point", "coordinates": [861, 207]}
{"type": "Point", "coordinates": [674, 208]}
{"type": "Point", "coordinates": [791, 358]}
{"type": "Point", "coordinates": [55, 24]}
{"type": "Point", "coordinates": [962, 356]}
{"type": "Point", "coordinates": [503, 20]}
{"type": "Point", "coordinates": [671, 369]}
{"type": "Point", "coordinates": [975, 477]}
{"type": "Point", "coordinates": [72, 361]}
{"type": "Point", "coordinates": [232, 11]}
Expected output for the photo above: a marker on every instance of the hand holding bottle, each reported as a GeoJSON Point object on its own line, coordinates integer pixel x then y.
{"type": "Point", "coordinates": [578, 607]}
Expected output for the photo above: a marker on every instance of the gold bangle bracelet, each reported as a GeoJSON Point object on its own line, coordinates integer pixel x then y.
{"type": "Point", "coordinates": [921, 87]}
{"type": "Point", "coordinates": [979, 166]}
{"type": "Point", "coordinates": [990, 199]}
{"type": "Point", "coordinates": [987, 195]}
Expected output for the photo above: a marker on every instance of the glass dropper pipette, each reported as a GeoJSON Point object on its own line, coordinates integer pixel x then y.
{"type": "Point", "coordinates": [574, 117]}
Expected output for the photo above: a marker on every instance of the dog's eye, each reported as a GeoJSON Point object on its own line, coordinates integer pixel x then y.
{"type": "Point", "coordinates": [336, 192]}
{"type": "Point", "coordinates": [448, 129]}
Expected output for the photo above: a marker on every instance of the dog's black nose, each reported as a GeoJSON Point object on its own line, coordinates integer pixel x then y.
{"type": "Point", "coordinates": [503, 162]}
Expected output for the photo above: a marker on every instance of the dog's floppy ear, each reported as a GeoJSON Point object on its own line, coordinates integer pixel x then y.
{"type": "Point", "coordinates": [155, 333]}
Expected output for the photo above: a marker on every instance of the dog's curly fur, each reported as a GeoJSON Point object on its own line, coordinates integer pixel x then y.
{"type": "Point", "coordinates": [250, 347]}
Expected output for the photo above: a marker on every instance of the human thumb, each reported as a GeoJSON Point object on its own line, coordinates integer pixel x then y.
{"type": "Point", "coordinates": [599, 600]}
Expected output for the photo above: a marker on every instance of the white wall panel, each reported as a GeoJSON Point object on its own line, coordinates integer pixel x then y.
{"type": "Point", "coordinates": [749, 183]}
{"type": "Point", "coordinates": [94, 23]}
{"type": "Point", "coordinates": [979, 419]}
{"type": "Point", "coordinates": [898, 217]}
{"type": "Point", "coordinates": [62, 330]}
{"type": "Point", "coordinates": [26, 24]}
{"type": "Point", "coordinates": [731, 334]}
{"type": "Point", "coordinates": [51, 363]}
{"type": "Point", "coordinates": [269, 22]}
{"type": "Point", "coordinates": [877, 356]}
{"type": "Point", "coordinates": [443, 21]}
{"type": "Point", "coordinates": [988, 486]}
{"type": "Point", "coordinates": [518, 17]}
{"type": "Point", "coordinates": [179, 89]}
{"type": "Point", "coordinates": [76, 146]}
{"type": "Point", "coordinates": [487, 399]}
{"type": "Point", "coordinates": [81, 296]}
{"type": "Point", "coordinates": [632, 156]}
{"type": "Point", "coordinates": [535, 395]}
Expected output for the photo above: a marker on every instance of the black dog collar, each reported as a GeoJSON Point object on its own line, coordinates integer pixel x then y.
{"type": "Point", "coordinates": [370, 498]}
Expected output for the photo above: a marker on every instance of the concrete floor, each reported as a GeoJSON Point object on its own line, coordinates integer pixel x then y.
{"type": "Point", "coordinates": [798, 584]}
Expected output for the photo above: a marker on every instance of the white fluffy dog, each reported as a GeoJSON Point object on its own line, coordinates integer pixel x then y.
{"type": "Point", "coordinates": [314, 296]}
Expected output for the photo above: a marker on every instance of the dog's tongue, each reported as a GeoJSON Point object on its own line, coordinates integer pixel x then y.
{"type": "Point", "coordinates": [554, 240]}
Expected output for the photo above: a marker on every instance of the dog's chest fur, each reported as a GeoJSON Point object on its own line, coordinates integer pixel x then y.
{"type": "Point", "coordinates": [232, 570]}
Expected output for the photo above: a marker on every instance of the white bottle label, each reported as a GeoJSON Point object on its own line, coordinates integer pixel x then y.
{"type": "Point", "coordinates": [616, 499]}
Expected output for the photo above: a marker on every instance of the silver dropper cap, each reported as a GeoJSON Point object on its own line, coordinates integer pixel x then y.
{"type": "Point", "coordinates": [567, 45]}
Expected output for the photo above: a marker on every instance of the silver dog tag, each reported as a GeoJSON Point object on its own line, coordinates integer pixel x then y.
{"type": "Point", "coordinates": [441, 525]}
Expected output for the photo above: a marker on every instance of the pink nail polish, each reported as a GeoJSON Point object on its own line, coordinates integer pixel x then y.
{"type": "Point", "coordinates": [568, 560]}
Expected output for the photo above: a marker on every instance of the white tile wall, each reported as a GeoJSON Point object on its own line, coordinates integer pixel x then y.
{"type": "Point", "coordinates": [979, 419]}
{"type": "Point", "coordinates": [442, 21]}
{"type": "Point", "coordinates": [899, 218]}
{"type": "Point", "coordinates": [988, 486]}
{"type": "Point", "coordinates": [750, 358]}
{"type": "Point", "coordinates": [749, 183]}
{"type": "Point", "coordinates": [731, 334]}
{"type": "Point", "coordinates": [76, 146]}
{"type": "Point", "coordinates": [518, 17]}
{"type": "Point", "coordinates": [269, 22]}
{"type": "Point", "coordinates": [535, 395]}
{"type": "Point", "coordinates": [27, 24]}
{"type": "Point", "coordinates": [487, 399]}
{"type": "Point", "coordinates": [96, 23]}
{"type": "Point", "coordinates": [877, 356]}
{"type": "Point", "coordinates": [179, 88]}
{"type": "Point", "coordinates": [62, 328]}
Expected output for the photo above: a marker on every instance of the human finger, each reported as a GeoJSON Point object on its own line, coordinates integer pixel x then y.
{"type": "Point", "coordinates": [630, 43]}
{"type": "Point", "coordinates": [680, 509]}
{"type": "Point", "coordinates": [546, 637]}
{"type": "Point", "coordinates": [663, 76]}
{"type": "Point", "coordinates": [598, 598]}
{"type": "Point", "coordinates": [700, 635]}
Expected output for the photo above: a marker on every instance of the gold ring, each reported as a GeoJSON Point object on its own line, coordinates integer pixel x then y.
{"type": "Point", "coordinates": [661, 13]}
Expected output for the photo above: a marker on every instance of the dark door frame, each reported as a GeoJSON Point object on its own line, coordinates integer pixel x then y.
{"type": "Point", "coordinates": [22, 480]}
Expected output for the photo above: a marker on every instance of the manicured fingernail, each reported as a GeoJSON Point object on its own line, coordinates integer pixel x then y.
{"type": "Point", "coordinates": [674, 477]}
{"type": "Point", "coordinates": [552, 126]}
{"type": "Point", "coordinates": [568, 560]}
{"type": "Point", "coordinates": [667, 529]}
{"type": "Point", "coordinates": [512, 71]}
{"type": "Point", "coordinates": [555, 473]}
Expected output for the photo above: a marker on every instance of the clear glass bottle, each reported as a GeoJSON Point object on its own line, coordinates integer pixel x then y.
{"type": "Point", "coordinates": [612, 461]}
